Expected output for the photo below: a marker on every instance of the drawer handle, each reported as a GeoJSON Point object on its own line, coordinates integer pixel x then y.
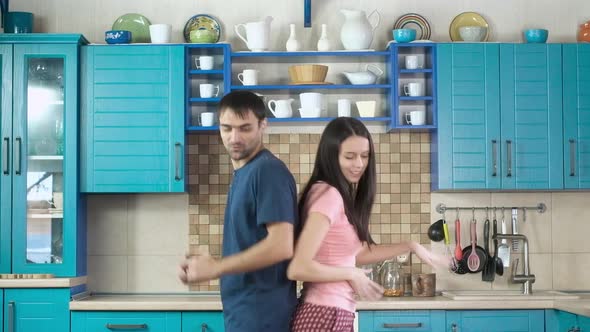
{"type": "Point", "coordinates": [494, 158]}
{"type": "Point", "coordinates": [177, 161]}
{"type": "Point", "coordinates": [402, 325]}
{"type": "Point", "coordinates": [11, 305]}
{"type": "Point", "coordinates": [509, 158]}
{"type": "Point", "coordinates": [572, 157]}
{"type": "Point", "coordinates": [18, 156]}
{"type": "Point", "coordinates": [127, 326]}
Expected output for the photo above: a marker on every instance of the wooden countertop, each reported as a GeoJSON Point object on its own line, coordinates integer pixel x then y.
{"type": "Point", "coordinates": [42, 283]}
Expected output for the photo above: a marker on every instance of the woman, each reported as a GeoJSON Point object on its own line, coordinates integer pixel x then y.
{"type": "Point", "coordinates": [335, 207]}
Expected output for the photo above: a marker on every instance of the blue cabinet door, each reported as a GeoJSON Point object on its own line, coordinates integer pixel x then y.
{"type": "Point", "coordinates": [466, 149]}
{"type": "Point", "coordinates": [496, 320]}
{"type": "Point", "coordinates": [584, 323]}
{"type": "Point", "coordinates": [576, 115]}
{"type": "Point", "coordinates": [402, 321]}
{"type": "Point", "coordinates": [559, 321]}
{"type": "Point", "coordinates": [6, 157]}
{"type": "Point", "coordinates": [206, 321]}
{"type": "Point", "coordinates": [36, 310]}
{"type": "Point", "coordinates": [531, 116]}
{"type": "Point", "coordinates": [108, 321]}
{"type": "Point", "coordinates": [133, 119]}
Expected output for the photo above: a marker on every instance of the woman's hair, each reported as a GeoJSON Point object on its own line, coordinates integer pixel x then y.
{"type": "Point", "coordinates": [358, 200]}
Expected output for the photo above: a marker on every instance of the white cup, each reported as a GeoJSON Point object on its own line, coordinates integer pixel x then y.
{"type": "Point", "coordinates": [207, 119]}
{"type": "Point", "coordinates": [311, 100]}
{"type": "Point", "coordinates": [204, 62]}
{"type": "Point", "coordinates": [414, 61]}
{"type": "Point", "coordinates": [414, 89]}
{"type": "Point", "coordinates": [416, 118]}
{"type": "Point", "coordinates": [160, 33]}
{"type": "Point", "coordinates": [209, 90]}
{"type": "Point", "coordinates": [248, 77]}
{"type": "Point", "coordinates": [310, 112]}
{"type": "Point", "coordinates": [344, 107]}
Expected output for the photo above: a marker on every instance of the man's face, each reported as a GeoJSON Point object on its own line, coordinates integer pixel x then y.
{"type": "Point", "coordinates": [241, 137]}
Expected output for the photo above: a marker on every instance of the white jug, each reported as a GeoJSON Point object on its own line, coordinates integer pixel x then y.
{"type": "Point", "coordinates": [282, 108]}
{"type": "Point", "coordinates": [357, 32]}
{"type": "Point", "coordinates": [257, 34]}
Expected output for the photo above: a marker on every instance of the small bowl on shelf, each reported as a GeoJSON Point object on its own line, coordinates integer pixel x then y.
{"type": "Point", "coordinates": [404, 35]}
{"type": "Point", "coordinates": [473, 33]}
{"type": "Point", "coordinates": [310, 74]}
{"type": "Point", "coordinates": [117, 36]}
{"type": "Point", "coordinates": [538, 36]}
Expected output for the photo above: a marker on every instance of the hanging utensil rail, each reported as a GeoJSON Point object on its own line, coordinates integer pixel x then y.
{"type": "Point", "coordinates": [442, 208]}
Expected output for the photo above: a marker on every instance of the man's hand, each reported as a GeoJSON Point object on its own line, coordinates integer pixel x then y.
{"type": "Point", "coordinates": [200, 267]}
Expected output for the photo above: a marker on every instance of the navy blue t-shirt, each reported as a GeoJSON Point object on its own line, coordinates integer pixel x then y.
{"type": "Point", "coordinates": [262, 191]}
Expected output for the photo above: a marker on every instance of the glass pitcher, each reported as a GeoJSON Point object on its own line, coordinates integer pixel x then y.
{"type": "Point", "coordinates": [391, 278]}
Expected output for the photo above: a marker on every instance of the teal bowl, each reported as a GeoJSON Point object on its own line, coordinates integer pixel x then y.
{"type": "Point", "coordinates": [536, 35]}
{"type": "Point", "coordinates": [404, 35]}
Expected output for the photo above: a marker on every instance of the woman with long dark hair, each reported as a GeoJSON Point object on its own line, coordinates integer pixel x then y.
{"type": "Point", "coordinates": [334, 208]}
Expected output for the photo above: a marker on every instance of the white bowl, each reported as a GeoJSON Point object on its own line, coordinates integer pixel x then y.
{"type": "Point", "coordinates": [473, 33]}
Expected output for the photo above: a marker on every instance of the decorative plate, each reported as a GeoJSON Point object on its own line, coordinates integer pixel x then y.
{"type": "Point", "coordinates": [138, 24]}
{"type": "Point", "coordinates": [202, 21]}
{"type": "Point", "coordinates": [414, 21]}
{"type": "Point", "coordinates": [467, 19]}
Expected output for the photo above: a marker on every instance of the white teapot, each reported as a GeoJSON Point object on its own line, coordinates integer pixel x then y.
{"type": "Point", "coordinates": [282, 108]}
{"type": "Point", "coordinates": [257, 34]}
{"type": "Point", "coordinates": [364, 77]}
{"type": "Point", "coordinates": [357, 32]}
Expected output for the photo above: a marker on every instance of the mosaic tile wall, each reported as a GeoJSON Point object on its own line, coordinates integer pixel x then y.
{"type": "Point", "coordinates": [402, 206]}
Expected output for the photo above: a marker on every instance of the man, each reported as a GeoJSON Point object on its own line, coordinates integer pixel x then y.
{"type": "Point", "coordinates": [260, 217]}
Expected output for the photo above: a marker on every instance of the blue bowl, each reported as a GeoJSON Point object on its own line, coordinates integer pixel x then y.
{"type": "Point", "coordinates": [404, 35]}
{"type": "Point", "coordinates": [536, 35]}
{"type": "Point", "coordinates": [117, 37]}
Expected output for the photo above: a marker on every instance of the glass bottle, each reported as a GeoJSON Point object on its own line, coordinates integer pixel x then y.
{"type": "Point", "coordinates": [391, 278]}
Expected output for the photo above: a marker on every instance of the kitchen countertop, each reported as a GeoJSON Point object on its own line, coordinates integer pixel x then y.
{"type": "Point", "coordinates": [212, 302]}
{"type": "Point", "coordinates": [42, 283]}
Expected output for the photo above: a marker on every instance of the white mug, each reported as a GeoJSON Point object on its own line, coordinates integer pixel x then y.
{"type": "Point", "coordinates": [249, 77]}
{"type": "Point", "coordinates": [416, 118]}
{"type": "Point", "coordinates": [414, 89]}
{"type": "Point", "coordinates": [311, 100]}
{"type": "Point", "coordinates": [414, 61]}
{"type": "Point", "coordinates": [160, 33]}
{"type": "Point", "coordinates": [209, 90]}
{"type": "Point", "coordinates": [207, 119]}
{"type": "Point", "coordinates": [344, 107]}
{"type": "Point", "coordinates": [204, 62]}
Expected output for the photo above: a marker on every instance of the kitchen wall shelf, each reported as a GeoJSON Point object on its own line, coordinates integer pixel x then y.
{"type": "Point", "coordinates": [309, 54]}
{"type": "Point", "coordinates": [310, 86]}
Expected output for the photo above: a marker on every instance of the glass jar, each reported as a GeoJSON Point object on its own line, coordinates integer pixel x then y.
{"type": "Point", "coordinates": [391, 278]}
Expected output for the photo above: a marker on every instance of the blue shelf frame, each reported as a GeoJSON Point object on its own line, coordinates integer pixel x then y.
{"type": "Point", "coordinates": [309, 53]}
{"type": "Point", "coordinates": [311, 86]}
{"type": "Point", "coordinates": [397, 72]}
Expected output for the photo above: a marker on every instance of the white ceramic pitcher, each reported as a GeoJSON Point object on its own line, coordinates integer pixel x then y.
{"type": "Point", "coordinates": [357, 32]}
{"type": "Point", "coordinates": [282, 108]}
{"type": "Point", "coordinates": [257, 34]}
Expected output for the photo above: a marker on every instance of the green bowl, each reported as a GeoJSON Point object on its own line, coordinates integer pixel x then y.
{"type": "Point", "coordinates": [202, 36]}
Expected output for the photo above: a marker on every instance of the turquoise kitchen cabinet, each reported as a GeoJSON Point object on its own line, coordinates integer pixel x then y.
{"type": "Point", "coordinates": [42, 228]}
{"type": "Point", "coordinates": [107, 321]}
{"type": "Point", "coordinates": [576, 115]}
{"type": "Point", "coordinates": [562, 321]}
{"type": "Point", "coordinates": [495, 320]}
{"type": "Point", "coordinates": [402, 321]}
{"type": "Point", "coordinates": [133, 119]}
{"type": "Point", "coordinates": [202, 321]}
{"type": "Point", "coordinates": [500, 117]}
{"type": "Point", "coordinates": [36, 310]}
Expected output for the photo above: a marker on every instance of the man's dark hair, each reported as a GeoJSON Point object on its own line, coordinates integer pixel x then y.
{"type": "Point", "coordinates": [241, 102]}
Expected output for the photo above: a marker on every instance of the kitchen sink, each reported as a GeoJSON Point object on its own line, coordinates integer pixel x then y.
{"type": "Point", "coordinates": [502, 295]}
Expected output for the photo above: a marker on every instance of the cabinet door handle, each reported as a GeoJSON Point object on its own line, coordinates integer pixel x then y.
{"type": "Point", "coordinates": [18, 155]}
{"type": "Point", "coordinates": [204, 327]}
{"type": "Point", "coordinates": [572, 157]}
{"type": "Point", "coordinates": [401, 325]}
{"type": "Point", "coordinates": [6, 156]}
{"type": "Point", "coordinates": [494, 157]}
{"type": "Point", "coordinates": [127, 326]}
{"type": "Point", "coordinates": [454, 327]}
{"type": "Point", "coordinates": [11, 305]}
{"type": "Point", "coordinates": [509, 158]}
{"type": "Point", "coordinates": [177, 160]}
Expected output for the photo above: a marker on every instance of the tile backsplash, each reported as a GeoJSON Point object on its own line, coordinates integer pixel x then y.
{"type": "Point", "coordinates": [402, 206]}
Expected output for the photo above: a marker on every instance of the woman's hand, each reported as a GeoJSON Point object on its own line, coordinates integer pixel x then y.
{"type": "Point", "coordinates": [433, 259]}
{"type": "Point", "coordinates": [365, 287]}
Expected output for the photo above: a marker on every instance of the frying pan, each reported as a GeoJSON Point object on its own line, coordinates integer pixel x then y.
{"type": "Point", "coordinates": [478, 251]}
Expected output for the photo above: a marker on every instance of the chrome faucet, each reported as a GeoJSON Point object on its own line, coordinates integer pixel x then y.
{"type": "Point", "coordinates": [526, 279]}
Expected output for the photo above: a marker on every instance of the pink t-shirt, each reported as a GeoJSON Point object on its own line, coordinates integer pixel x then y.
{"type": "Point", "coordinates": [339, 248]}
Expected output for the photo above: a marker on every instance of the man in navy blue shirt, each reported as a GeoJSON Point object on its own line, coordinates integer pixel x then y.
{"type": "Point", "coordinates": [258, 231]}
